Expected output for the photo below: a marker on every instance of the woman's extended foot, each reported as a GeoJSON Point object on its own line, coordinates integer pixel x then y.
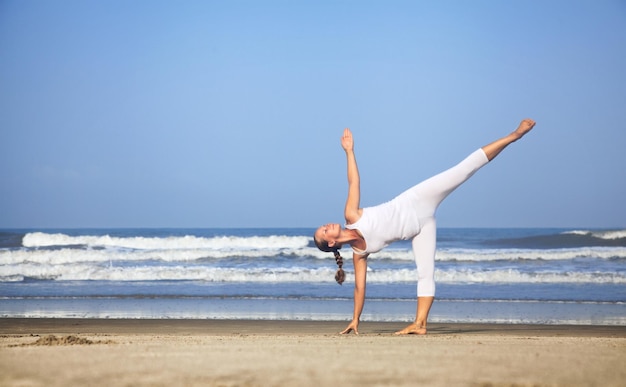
{"type": "Point", "coordinates": [524, 127]}
{"type": "Point", "coordinates": [493, 149]}
{"type": "Point", "coordinates": [413, 329]}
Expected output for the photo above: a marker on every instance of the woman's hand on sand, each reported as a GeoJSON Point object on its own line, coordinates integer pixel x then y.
{"type": "Point", "coordinates": [353, 326]}
{"type": "Point", "coordinates": [347, 142]}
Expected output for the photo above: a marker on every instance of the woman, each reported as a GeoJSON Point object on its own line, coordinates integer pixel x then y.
{"type": "Point", "coordinates": [411, 215]}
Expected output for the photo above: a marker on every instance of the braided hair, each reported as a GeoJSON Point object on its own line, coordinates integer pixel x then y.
{"type": "Point", "coordinates": [340, 275]}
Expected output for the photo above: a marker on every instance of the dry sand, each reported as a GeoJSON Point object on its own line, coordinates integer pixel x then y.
{"type": "Point", "coordinates": [77, 352]}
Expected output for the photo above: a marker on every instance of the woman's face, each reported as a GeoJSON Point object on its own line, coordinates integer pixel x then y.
{"type": "Point", "coordinates": [328, 233]}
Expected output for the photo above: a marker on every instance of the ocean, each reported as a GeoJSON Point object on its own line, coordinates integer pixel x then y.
{"type": "Point", "coordinates": [535, 276]}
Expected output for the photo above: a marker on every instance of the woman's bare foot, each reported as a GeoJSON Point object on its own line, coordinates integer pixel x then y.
{"type": "Point", "coordinates": [524, 127]}
{"type": "Point", "coordinates": [413, 329]}
{"type": "Point", "coordinates": [494, 148]}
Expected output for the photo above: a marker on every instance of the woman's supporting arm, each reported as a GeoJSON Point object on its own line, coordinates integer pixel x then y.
{"type": "Point", "coordinates": [360, 276]}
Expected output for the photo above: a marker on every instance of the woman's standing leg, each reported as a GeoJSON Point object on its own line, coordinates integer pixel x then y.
{"type": "Point", "coordinates": [429, 194]}
{"type": "Point", "coordinates": [424, 248]}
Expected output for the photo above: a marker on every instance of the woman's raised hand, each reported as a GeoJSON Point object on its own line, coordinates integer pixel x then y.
{"type": "Point", "coordinates": [347, 142]}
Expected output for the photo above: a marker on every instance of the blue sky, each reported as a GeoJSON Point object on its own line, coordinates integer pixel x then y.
{"type": "Point", "coordinates": [229, 113]}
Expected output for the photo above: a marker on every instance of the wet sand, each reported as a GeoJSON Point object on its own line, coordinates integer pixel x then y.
{"type": "Point", "coordinates": [99, 352]}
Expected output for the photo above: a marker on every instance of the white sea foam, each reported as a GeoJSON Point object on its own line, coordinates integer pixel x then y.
{"type": "Point", "coordinates": [39, 239]}
{"type": "Point", "coordinates": [530, 254]}
{"type": "Point", "coordinates": [608, 234]}
{"type": "Point", "coordinates": [486, 255]}
{"type": "Point", "coordinates": [75, 255]}
{"type": "Point", "coordinates": [68, 255]}
{"type": "Point", "coordinates": [189, 248]}
{"type": "Point", "coordinates": [286, 259]}
{"type": "Point", "coordinates": [86, 272]}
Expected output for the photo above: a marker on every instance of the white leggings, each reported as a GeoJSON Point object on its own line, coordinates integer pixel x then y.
{"type": "Point", "coordinates": [431, 193]}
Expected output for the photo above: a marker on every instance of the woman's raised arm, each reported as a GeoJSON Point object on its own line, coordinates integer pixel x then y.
{"type": "Point", "coordinates": [352, 211]}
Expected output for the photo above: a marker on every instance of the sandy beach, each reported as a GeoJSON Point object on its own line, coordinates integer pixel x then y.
{"type": "Point", "coordinates": [98, 352]}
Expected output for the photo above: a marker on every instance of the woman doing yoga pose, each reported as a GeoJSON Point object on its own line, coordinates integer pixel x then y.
{"type": "Point", "coordinates": [410, 215]}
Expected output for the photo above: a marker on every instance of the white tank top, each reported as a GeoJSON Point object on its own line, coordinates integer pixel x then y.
{"type": "Point", "coordinates": [388, 222]}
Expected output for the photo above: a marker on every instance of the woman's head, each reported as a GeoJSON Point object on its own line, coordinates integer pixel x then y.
{"type": "Point", "coordinates": [320, 239]}
{"type": "Point", "coordinates": [326, 237]}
